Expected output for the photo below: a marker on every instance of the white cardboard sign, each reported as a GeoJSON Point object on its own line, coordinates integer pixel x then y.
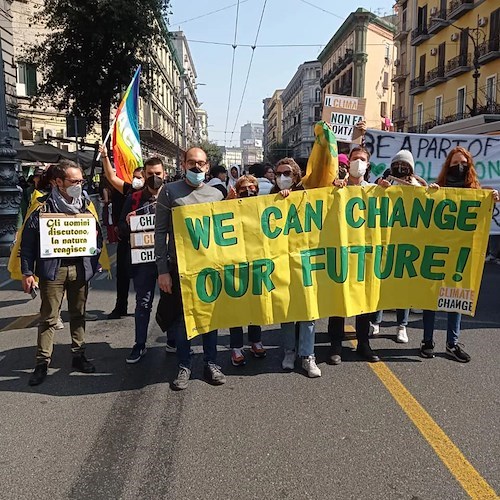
{"type": "Point", "coordinates": [142, 222]}
{"type": "Point", "coordinates": [143, 255]}
{"type": "Point", "coordinates": [343, 113]}
{"type": "Point", "coordinates": [63, 235]}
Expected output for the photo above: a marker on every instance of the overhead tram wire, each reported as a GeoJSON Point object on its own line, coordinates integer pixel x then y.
{"type": "Point", "coordinates": [323, 10]}
{"type": "Point", "coordinates": [248, 72]}
{"type": "Point", "coordinates": [207, 14]}
{"type": "Point", "coordinates": [232, 69]}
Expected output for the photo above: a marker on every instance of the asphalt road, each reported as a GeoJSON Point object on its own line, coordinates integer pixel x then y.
{"type": "Point", "coordinates": [122, 433]}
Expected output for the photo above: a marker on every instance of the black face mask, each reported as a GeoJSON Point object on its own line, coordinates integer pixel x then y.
{"type": "Point", "coordinates": [455, 177]}
{"type": "Point", "coordinates": [400, 172]}
{"type": "Point", "coordinates": [154, 182]}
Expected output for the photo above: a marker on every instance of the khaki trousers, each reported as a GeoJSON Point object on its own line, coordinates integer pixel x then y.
{"type": "Point", "coordinates": [69, 279]}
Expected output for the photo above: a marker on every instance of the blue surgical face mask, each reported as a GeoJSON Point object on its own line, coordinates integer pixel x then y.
{"type": "Point", "coordinates": [195, 178]}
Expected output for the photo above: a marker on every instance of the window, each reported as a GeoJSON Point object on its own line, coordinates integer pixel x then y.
{"type": "Point", "coordinates": [491, 91]}
{"type": "Point", "coordinates": [318, 95]}
{"type": "Point", "coordinates": [387, 51]}
{"type": "Point", "coordinates": [318, 73]}
{"type": "Point", "coordinates": [383, 109]}
{"type": "Point", "coordinates": [461, 102]}
{"type": "Point", "coordinates": [26, 80]}
{"type": "Point", "coordinates": [385, 81]}
{"type": "Point", "coordinates": [420, 115]}
{"type": "Point", "coordinates": [439, 109]}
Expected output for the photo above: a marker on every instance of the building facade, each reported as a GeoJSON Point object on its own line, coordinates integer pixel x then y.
{"type": "Point", "coordinates": [251, 138]}
{"type": "Point", "coordinates": [202, 117]}
{"type": "Point", "coordinates": [9, 68]}
{"type": "Point", "coordinates": [302, 109]}
{"type": "Point", "coordinates": [359, 61]}
{"type": "Point", "coordinates": [455, 66]}
{"type": "Point", "coordinates": [266, 101]}
{"type": "Point", "coordinates": [274, 120]}
{"type": "Point", "coordinates": [231, 156]}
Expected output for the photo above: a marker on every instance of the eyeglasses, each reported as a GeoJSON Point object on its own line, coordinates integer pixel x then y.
{"type": "Point", "coordinates": [194, 163]}
{"type": "Point", "coordinates": [286, 173]}
{"type": "Point", "coordinates": [75, 181]}
{"type": "Point", "coordinates": [401, 165]}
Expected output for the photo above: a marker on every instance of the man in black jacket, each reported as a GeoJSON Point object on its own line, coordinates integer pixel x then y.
{"type": "Point", "coordinates": [59, 274]}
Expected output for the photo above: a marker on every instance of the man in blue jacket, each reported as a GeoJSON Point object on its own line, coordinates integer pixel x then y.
{"type": "Point", "coordinates": [59, 275]}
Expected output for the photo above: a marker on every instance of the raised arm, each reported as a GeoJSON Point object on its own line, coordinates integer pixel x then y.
{"type": "Point", "coordinates": [110, 174]}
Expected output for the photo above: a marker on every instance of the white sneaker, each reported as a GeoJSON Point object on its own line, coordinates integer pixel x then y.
{"type": "Point", "coordinates": [59, 324]}
{"type": "Point", "coordinates": [401, 335]}
{"type": "Point", "coordinates": [288, 362]}
{"type": "Point", "coordinates": [489, 258]}
{"type": "Point", "coordinates": [310, 366]}
{"type": "Point", "coordinates": [374, 330]}
{"type": "Point", "coordinates": [416, 311]}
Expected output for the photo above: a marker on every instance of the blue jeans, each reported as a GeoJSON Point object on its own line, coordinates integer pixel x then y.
{"type": "Point", "coordinates": [236, 335]}
{"type": "Point", "coordinates": [452, 331]}
{"type": "Point", "coordinates": [306, 337]}
{"type": "Point", "coordinates": [178, 327]}
{"type": "Point", "coordinates": [402, 316]}
{"type": "Point", "coordinates": [144, 283]}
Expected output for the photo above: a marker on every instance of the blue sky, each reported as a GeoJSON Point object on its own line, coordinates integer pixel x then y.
{"type": "Point", "coordinates": [285, 22]}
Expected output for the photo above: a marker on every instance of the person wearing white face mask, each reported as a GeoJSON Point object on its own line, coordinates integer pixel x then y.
{"type": "Point", "coordinates": [59, 275]}
{"type": "Point", "coordinates": [288, 179]}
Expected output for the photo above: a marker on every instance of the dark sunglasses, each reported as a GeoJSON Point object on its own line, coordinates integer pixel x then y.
{"type": "Point", "coordinates": [286, 173]}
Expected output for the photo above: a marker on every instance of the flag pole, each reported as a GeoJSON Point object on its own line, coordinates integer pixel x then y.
{"type": "Point", "coordinates": [108, 135]}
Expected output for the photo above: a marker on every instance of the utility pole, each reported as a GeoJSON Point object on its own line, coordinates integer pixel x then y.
{"type": "Point", "coordinates": [10, 196]}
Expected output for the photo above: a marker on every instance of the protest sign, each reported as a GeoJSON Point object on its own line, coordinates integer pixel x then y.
{"type": "Point", "coordinates": [330, 252]}
{"type": "Point", "coordinates": [63, 235]}
{"type": "Point", "coordinates": [142, 238]}
{"type": "Point", "coordinates": [430, 152]}
{"type": "Point", "coordinates": [343, 113]}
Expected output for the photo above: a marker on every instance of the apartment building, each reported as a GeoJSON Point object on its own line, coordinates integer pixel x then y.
{"type": "Point", "coordinates": [274, 120]}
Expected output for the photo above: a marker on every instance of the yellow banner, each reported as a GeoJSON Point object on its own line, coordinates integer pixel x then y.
{"type": "Point", "coordinates": [330, 252]}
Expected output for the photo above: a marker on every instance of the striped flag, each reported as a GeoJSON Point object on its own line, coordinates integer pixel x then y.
{"type": "Point", "coordinates": [126, 142]}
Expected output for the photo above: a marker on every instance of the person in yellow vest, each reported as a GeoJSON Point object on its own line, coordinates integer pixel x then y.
{"type": "Point", "coordinates": [59, 275]}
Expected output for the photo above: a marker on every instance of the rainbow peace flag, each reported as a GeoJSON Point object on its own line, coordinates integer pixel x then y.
{"type": "Point", "coordinates": [126, 143]}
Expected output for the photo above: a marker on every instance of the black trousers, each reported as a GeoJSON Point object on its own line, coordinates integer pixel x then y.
{"type": "Point", "coordinates": [123, 264]}
{"type": "Point", "coordinates": [336, 326]}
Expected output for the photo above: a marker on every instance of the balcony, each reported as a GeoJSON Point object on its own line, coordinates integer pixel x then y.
{"type": "Point", "coordinates": [489, 50]}
{"type": "Point", "coordinates": [436, 25]}
{"type": "Point", "coordinates": [458, 8]}
{"type": "Point", "coordinates": [419, 35]}
{"type": "Point", "coordinates": [402, 30]}
{"type": "Point", "coordinates": [458, 65]}
{"type": "Point", "coordinates": [435, 76]}
{"type": "Point", "coordinates": [417, 85]}
{"type": "Point", "coordinates": [400, 75]}
{"type": "Point", "coordinates": [399, 115]}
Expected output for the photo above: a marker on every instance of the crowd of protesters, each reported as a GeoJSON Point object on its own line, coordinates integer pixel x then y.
{"type": "Point", "coordinates": [59, 190]}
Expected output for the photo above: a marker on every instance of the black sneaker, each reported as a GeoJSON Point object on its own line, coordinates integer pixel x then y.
{"type": "Point", "coordinates": [182, 380]}
{"type": "Point", "coordinates": [456, 352]}
{"type": "Point", "coordinates": [82, 364]}
{"type": "Point", "coordinates": [138, 351]}
{"type": "Point", "coordinates": [365, 351]}
{"type": "Point", "coordinates": [116, 314]}
{"type": "Point", "coordinates": [39, 374]}
{"type": "Point", "coordinates": [427, 349]}
{"type": "Point", "coordinates": [334, 357]}
{"type": "Point", "coordinates": [213, 374]}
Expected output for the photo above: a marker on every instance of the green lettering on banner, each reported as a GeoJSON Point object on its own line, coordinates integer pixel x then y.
{"type": "Point", "coordinates": [266, 224]}
{"type": "Point", "coordinates": [292, 221]}
{"type": "Point", "coordinates": [308, 267]}
{"type": "Point", "coordinates": [442, 220]}
{"type": "Point", "coordinates": [349, 212]}
{"type": "Point", "coordinates": [230, 279]}
{"type": "Point", "coordinates": [429, 261]}
{"type": "Point", "coordinates": [406, 255]}
{"type": "Point", "coordinates": [419, 212]}
{"type": "Point", "coordinates": [220, 230]}
{"type": "Point", "coordinates": [384, 273]}
{"type": "Point", "coordinates": [199, 232]}
{"type": "Point", "coordinates": [361, 251]}
{"type": "Point", "coordinates": [201, 285]}
{"type": "Point", "coordinates": [315, 216]}
{"type": "Point", "coordinates": [375, 211]}
{"type": "Point", "coordinates": [398, 214]}
{"type": "Point", "coordinates": [261, 274]}
{"type": "Point", "coordinates": [337, 271]}
{"type": "Point", "coordinates": [464, 215]}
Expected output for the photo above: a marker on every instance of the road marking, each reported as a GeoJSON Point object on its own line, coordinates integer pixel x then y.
{"type": "Point", "coordinates": [468, 477]}
{"type": "Point", "coordinates": [21, 323]}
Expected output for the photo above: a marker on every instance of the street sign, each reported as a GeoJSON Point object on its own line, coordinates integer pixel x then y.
{"type": "Point", "coordinates": [343, 113]}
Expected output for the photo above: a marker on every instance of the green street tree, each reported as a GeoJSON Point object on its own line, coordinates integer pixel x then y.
{"type": "Point", "coordinates": [214, 154]}
{"type": "Point", "coordinates": [91, 52]}
{"type": "Point", "coordinates": [278, 151]}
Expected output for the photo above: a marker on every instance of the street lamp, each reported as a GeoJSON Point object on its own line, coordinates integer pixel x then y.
{"type": "Point", "coordinates": [475, 61]}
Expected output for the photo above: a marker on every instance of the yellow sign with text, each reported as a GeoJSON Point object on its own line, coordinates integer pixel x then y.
{"type": "Point", "coordinates": [330, 252]}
